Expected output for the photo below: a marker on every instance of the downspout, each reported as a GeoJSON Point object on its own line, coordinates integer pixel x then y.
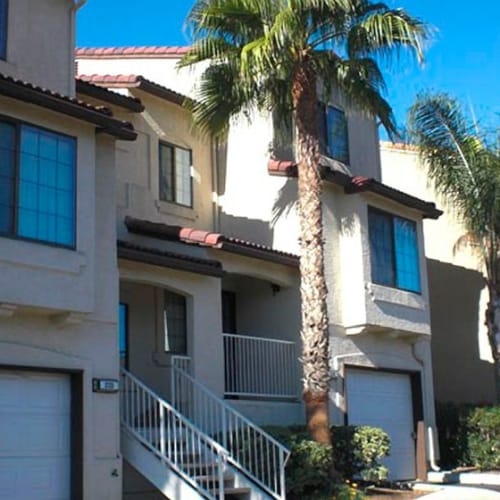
{"type": "Point", "coordinates": [215, 184]}
{"type": "Point", "coordinates": [335, 370]}
{"type": "Point", "coordinates": [430, 431]}
{"type": "Point", "coordinates": [76, 4]}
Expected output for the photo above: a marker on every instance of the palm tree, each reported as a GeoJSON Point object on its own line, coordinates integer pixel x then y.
{"type": "Point", "coordinates": [465, 168]}
{"type": "Point", "coordinates": [270, 55]}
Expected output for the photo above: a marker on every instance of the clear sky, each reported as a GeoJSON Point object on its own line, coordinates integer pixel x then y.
{"type": "Point", "coordinates": [463, 59]}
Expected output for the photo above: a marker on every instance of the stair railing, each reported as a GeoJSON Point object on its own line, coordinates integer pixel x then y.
{"type": "Point", "coordinates": [192, 454]}
{"type": "Point", "coordinates": [250, 449]}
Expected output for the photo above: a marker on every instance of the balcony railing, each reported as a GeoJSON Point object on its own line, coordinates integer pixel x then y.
{"type": "Point", "coordinates": [260, 367]}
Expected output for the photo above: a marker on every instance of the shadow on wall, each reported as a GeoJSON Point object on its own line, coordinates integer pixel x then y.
{"type": "Point", "coordinates": [460, 376]}
{"type": "Point", "coordinates": [285, 201]}
{"type": "Point", "coordinates": [255, 230]}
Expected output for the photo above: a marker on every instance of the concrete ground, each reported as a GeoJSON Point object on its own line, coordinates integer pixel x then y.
{"type": "Point", "coordinates": [462, 493]}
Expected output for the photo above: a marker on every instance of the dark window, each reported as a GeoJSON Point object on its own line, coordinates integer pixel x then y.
{"type": "Point", "coordinates": [37, 184]}
{"type": "Point", "coordinates": [175, 175]}
{"type": "Point", "coordinates": [333, 135]}
{"type": "Point", "coordinates": [228, 312]}
{"type": "Point", "coordinates": [393, 251]}
{"type": "Point", "coordinates": [175, 323]}
{"type": "Point", "coordinates": [123, 334]}
{"type": "Point", "coordinates": [4, 21]}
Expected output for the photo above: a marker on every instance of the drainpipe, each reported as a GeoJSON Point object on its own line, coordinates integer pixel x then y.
{"type": "Point", "coordinates": [419, 356]}
{"type": "Point", "coordinates": [335, 369]}
{"type": "Point", "coordinates": [76, 4]}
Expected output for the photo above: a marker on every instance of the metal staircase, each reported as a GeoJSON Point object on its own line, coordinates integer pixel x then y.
{"type": "Point", "coordinates": [198, 447]}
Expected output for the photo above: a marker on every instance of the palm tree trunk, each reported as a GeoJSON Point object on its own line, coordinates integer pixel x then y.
{"type": "Point", "coordinates": [493, 328]}
{"type": "Point", "coordinates": [315, 341]}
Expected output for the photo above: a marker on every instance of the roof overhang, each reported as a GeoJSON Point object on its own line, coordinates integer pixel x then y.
{"type": "Point", "coordinates": [99, 116]}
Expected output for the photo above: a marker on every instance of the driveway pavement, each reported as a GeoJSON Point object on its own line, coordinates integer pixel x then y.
{"type": "Point", "coordinates": [462, 493]}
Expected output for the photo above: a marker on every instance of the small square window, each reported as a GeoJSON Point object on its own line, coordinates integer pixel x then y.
{"type": "Point", "coordinates": [175, 175]}
{"type": "Point", "coordinates": [393, 251]}
{"type": "Point", "coordinates": [333, 133]}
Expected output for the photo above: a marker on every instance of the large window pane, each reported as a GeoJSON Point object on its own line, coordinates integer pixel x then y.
{"type": "Point", "coordinates": [166, 172]}
{"type": "Point", "coordinates": [183, 176]}
{"type": "Point", "coordinates": [381, 251]}
{"type": "Point", "coordinates": [7, 173]}
{"type": "Point", "coordinates": [175, 175]}
{"type": "Point", "coordinates": [46, 209]}
{"type": "Point", "coordinates": [175, 323]}
{"type": "Point", "coordinates": [3, 28]}
{"type": "Point", "coordinates": [338, 144]}
{"type": "Point", "coordinates": [406, 251]}
{"type": "Point", "coordinates": [394, 251]}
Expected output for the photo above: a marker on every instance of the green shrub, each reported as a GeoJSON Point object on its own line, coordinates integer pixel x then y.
{"type": "Point", "coordinates": [451, 422]}
{"type": "Point", "coordinates": [483, 437]}
{"type": "Point", "coordinates": [309, 471]}
{"type": "Point", "coordinates": [357, 451]}
{"type": "Point", "coordinates": [468, 435]}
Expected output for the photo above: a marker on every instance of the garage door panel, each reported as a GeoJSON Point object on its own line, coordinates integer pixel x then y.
{"type": "Point", "coordinates": [31, 479]}
{"type": "Point", "coordinates": [34, 436]}
{"type": "Point", "coordinates": [383, 399]}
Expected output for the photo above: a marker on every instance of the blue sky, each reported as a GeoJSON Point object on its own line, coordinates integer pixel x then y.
{"type": "Point", "coordinates": [463, 59]}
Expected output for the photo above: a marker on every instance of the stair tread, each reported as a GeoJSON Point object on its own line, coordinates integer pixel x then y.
{"type": "Point", "coordinates": [233, 490]}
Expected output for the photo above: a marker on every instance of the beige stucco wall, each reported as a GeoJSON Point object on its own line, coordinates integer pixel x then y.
{"type": "Point", "coordinates": [138, 172]}
{"type": "Point", "coordinates": [61, 304]}
{"type": "Point", "coordinates": [456, 286]}
{"type": "Point", "coordinates": [40, 41]}
{"type": "Point", "coordinates": [257, 206]}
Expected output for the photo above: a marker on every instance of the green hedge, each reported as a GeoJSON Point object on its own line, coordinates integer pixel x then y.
{"type": "Point", "coordinates": [468, 435]}
{"type": "Point", "coordinates": [355, 452]}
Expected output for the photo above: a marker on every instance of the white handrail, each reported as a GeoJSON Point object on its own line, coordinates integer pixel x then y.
{"type": "Point", "coordinates": [262, 339]}
{"type": "Point", "coordinates": [260, 367]}
{"type": "Point", "coordinates": [192, 454]}
{"type": "Point", "coordinates": [250, 449]}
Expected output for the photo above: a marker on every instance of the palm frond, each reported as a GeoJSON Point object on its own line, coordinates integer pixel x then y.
{"type": "Point", "coordinates": [463, 168]}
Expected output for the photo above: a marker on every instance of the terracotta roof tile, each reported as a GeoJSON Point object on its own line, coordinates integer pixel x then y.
{"type": "Point", "coordinates": [145, 51]}
{"type": "Point", "coordinates": [135, 81]}
{"type": "Point", "coordinates": [100, 92]}
{"type": "Point", "coordinates": [98, 115]}
{"type": "Point", "coordinates": [154, 256]}
{"type": "Point", "coordinates": [210, 239]}
{"type": "Point", "coordinates": [356, 184]}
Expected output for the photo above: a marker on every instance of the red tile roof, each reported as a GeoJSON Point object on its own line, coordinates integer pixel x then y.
{"type": "Point", "coordinates": [97, 115]}
{"type": "Point", "coordinates": [119, 52]}
{"type": "Point", "coordinates": [210, 239]}
{"type": "Point", "coordinates": [139, 253]}
{"type": "Point", "coordinates": [358, 184]}
{"type": "Point", "coordinates": [134, 81]}
{"type": "Point", "coordinates": [102, 93]}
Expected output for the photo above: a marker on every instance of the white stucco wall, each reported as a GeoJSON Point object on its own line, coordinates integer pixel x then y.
{"type": "Point", "coordinates": [59, 308]}
{"type": "Point", "coordinates": [40, 41]}
{"type": "Point", "coordinates": [456, 284]}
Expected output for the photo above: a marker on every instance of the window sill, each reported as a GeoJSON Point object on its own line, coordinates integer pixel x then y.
{"type": "Point", "coordinates": [40, 256]}
{"type": "Point", "coordinates": [164, 207]}
{"type": "Point", "coordinates": [380, 293]}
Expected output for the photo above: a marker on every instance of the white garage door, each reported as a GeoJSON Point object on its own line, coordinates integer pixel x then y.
{"type": "Point", "coordinates": [34, 436]}
{"type": "Point", "coordinates": [383, 399]}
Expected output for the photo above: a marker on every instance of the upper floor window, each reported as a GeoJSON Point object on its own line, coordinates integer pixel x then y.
{"type": "Point", "coordinates": [37, 184]}
{"type": "Point", "coordinates": [175, 323]}
{"type": "Point", "coordinates": [333, 133]}
{"type": "Point", "coordinates": [175, 174]}
{"type": "Point", "coordinates": [393, 251]}
{"type": "Point", "coordinates": [3, 28]}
